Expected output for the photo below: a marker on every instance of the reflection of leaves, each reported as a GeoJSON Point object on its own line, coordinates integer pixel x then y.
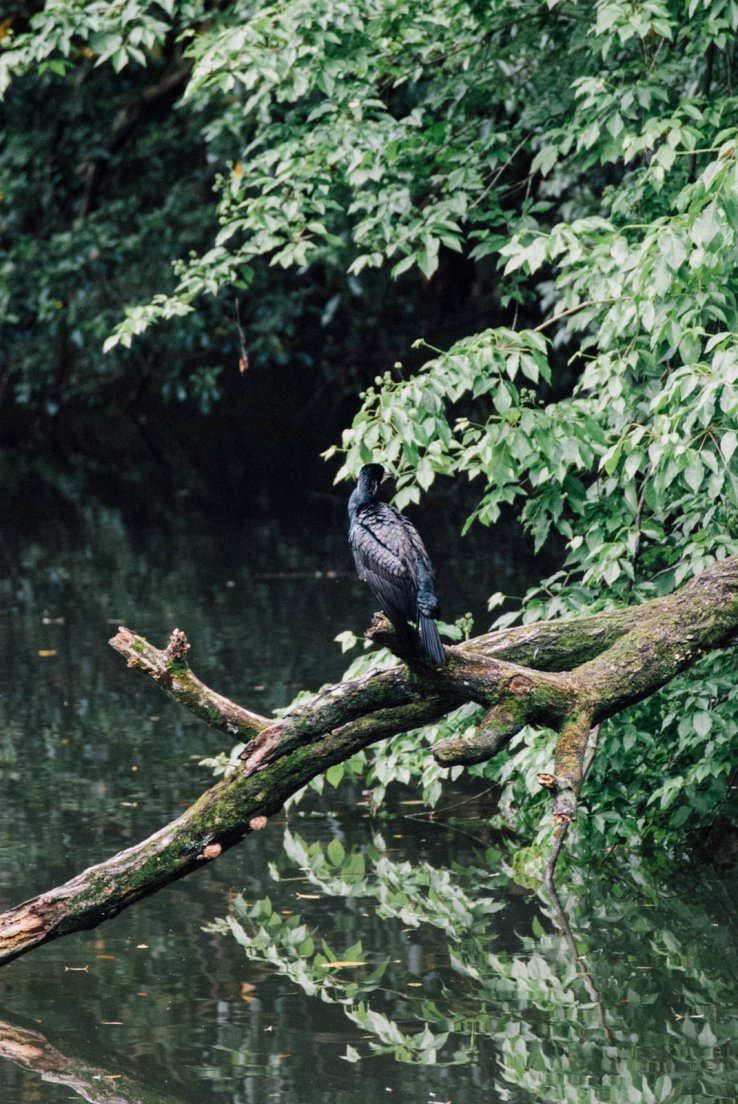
{"type": "Point", "coordinates": [658, 959]}
{"type": "Point", "coordinates": [286, 943]}
{"type": "Point", "coordinates": [413, 893]}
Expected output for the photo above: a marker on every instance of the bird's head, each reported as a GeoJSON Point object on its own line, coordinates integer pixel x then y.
{"type": "Point", "coordinates": [370, 476]}
{"type": "Point", "coordinates": [365, 492]}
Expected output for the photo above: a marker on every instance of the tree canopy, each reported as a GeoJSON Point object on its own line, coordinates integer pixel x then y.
{"type": "Point", "coordinates": [580, 160]}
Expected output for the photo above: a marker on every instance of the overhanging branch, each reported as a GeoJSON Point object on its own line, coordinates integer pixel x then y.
{"type": "Point", "coordinates": [615, 659]}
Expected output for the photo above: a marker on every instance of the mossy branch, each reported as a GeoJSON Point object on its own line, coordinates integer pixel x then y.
{"type": "Point", "coordinates": [169, 668]}
{"type": "Point", "coordinates": [569, 675]}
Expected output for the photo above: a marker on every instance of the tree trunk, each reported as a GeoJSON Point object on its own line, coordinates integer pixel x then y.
{"type": "Point", "coordinates": [568, 675]}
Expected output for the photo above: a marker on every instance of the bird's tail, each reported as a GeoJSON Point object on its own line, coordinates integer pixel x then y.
{"type": "Point", "coordinates": [432, 645]}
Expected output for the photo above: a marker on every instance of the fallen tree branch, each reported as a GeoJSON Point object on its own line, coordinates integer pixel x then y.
{"type": "Point", "coordinates": [520, 675]}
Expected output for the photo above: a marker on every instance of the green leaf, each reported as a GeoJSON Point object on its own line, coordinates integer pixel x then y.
{"type": "Point", "coordinates": [336, 852]}
{"type": "Point", "coordinates": [702, 723]}
{"type": "Point", "coordinates": [544, 160]}
{"type": "Point", "coordinates": [728, 444]}
{"type": "Point", "coordinates": [424, 473]}
{"type": "Point", "coordinates": [694, 473]}
{"type": "Point", "coordinates": [707, 226]}
{"type": "Point", "coordinates": [707, 1037]}
{"type": "Point", "coordinates": [334, 774]}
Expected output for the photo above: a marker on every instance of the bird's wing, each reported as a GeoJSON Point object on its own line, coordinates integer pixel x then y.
{"type": "Point", "coordinates": [380, 548]}
{"type": "Point", "coordinates": [417, 556]}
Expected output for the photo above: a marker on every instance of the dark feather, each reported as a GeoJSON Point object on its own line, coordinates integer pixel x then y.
{"type": "Point", "coordinates": [391, 559]}
{"type": "Point", "coordinates": [431, 640]}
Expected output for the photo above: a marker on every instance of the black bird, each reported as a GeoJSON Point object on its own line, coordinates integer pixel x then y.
{"type": "Point", "coordinates": [391, 559]}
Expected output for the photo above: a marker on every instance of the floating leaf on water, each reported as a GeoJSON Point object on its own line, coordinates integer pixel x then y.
{"type": "Point", "coordinates": [340, 963]}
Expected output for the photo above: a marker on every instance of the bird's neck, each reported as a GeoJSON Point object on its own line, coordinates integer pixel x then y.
{"type": "Point", "coordinates": [362, 495]}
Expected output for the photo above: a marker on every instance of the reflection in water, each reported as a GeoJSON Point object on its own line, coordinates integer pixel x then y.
{"type": "Point", "coordinates": [562, 921]}
{"type": "Point", "coordinates": [519, 1006]}
{"type": "Point", "coordinates": [467, 976]}
{"type": "Point", "coordinates": [31, 1051]}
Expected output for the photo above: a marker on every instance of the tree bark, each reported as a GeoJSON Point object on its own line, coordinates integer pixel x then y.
{"type": "Point", "coordinates": [568, 675]}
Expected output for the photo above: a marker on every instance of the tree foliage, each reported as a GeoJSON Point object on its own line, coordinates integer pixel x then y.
{"type": "Point", "coordinates": [585, 155]}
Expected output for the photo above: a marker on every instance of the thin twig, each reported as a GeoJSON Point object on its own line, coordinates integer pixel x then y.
{"type": "Point", "coordinates": [243, 361]}
{"type": "Point", "coordinates": [447, 808]}
{"type": "Point", "coordinates": [450, 828]}
{"type": "Point", "coordinates": [549, 877]}
{"type": "Point", "coordinates": [502, 169]}
{"type": "Point", "coordinates": [573, 310]}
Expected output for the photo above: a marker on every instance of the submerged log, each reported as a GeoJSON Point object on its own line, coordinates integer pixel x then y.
{"type": "Point", "coordinates": [569, 675]}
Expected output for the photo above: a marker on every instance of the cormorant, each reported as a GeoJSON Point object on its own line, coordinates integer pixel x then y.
{"type": "Point", "coordinates": [391, 559]}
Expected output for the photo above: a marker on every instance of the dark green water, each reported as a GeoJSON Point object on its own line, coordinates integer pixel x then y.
{"type": "Point", "coordinates": [468, 991]}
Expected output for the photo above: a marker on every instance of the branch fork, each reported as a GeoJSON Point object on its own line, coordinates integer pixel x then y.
{"type": "Point", "coordinates": [568, 675]}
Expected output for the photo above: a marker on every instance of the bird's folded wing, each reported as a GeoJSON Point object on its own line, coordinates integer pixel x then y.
{"type": "Point", "coordinates": [377, 550]}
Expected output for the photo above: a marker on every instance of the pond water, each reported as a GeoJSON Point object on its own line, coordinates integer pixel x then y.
{"type": "Point", "coordinates": [232, 985]}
